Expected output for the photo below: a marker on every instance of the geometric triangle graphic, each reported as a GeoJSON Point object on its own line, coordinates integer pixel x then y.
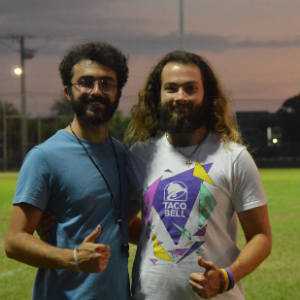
{"type": "Point", "coordinates": [159, 251]}
{"type": "Point", "coordinates": [195, 246]}
{"type": "Point", "coordinates": [148, 232]}
{"type": "Point", "coordinates": [178, 252]}
{"type": "Point", "coordinates": [183, 231]}
{"type": "Point", "coordinates": [153, 260]}
{"type": "Point", "coordinates": [206, 205]}
{"type": "Point", "coordinates": [201, 232]}
{"type": "Point", "coordinates": [174, 197]}
{"type": "Point", "coordinates": [148, 200]}
{"type": "Point", "coordinates": [200, 172]}
{"type": "Point", "coordinates": [174, 200]}
{"type": "Point", "coordinates": [200, 250]}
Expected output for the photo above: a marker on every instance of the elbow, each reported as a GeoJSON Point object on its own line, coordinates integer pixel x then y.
{"type": "Point", "coordinates": [267, 245]}
{"type": "Point", "coordinates": [8, 247]}
{"type": "Point", "coordinates": [270, 244]}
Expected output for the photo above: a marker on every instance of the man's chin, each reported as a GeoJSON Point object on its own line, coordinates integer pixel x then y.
{"type": "Point", "coordinates": [92, 119]}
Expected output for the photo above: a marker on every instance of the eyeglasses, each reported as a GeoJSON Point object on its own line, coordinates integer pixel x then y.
{"type": "Point", "coordinates": [86, 85]}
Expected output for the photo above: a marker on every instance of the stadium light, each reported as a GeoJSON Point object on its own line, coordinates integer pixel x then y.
{"type": "Point", "coordinates": [18, 71]}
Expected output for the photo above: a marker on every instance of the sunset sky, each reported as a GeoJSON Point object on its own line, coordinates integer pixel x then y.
{"type": "Point", "coordinates": [253, 45]}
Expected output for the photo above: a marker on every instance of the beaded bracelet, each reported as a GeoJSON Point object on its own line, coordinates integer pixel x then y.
{"type": "Point", "coordinates": [75, 259]}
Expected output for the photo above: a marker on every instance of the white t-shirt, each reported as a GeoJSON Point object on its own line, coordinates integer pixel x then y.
{"type": "Point", "coordinates": [188, 211]}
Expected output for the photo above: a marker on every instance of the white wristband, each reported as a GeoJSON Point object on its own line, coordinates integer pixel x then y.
{"type": "Point", "coordinates": [75, 259]}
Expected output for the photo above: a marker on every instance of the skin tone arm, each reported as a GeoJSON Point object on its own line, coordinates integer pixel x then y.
{"type": "Point", "coordinates": [21, 245]}
{"type": "Point", "coordinates": [257, 230]}
{"type": "Point", "coordinates": [135, 222]}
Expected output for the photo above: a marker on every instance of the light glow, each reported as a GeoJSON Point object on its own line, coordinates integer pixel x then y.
{"type": "Point", "coordinates": [18, 71]}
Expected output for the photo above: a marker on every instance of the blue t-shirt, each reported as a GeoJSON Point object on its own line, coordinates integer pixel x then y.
{"type": "Point", "coordinates": [58, 176]}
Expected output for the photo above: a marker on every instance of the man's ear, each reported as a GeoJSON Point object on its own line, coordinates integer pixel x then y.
{"type": "Point", "coordinates": [66, 92]}
{"type": "Point", "coordinates": [119, 94]}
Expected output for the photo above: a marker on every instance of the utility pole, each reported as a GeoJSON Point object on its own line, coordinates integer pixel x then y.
{"type": "Point", "coordinates": [4, 137]}
{"type": "Point", "coordinates": [25, 53]}
{"type": "Point", "coordinates": [24, 132]}
{"type": "Point", "coordinates": [181, 32]}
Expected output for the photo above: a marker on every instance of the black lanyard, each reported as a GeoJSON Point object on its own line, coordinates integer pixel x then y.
{"type": "Point", "coordinates": [125, 246]}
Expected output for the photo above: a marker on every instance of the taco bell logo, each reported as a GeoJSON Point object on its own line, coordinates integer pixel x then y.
{"type": "Point", "coordinates": [176, 191]}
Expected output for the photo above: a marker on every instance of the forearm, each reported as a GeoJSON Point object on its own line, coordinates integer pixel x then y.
{"type": "Point", "coordinates": [135, 229]}
{"type": "Point", "coordinates": [256, 226]}
{"type": "Point", "coordinates": [251, 256]}
{"type": "Point", "coordinates": [27, 249]}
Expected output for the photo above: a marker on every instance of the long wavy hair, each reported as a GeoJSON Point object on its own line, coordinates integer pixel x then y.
{"type": "Point", "coordinates": [145, 114]}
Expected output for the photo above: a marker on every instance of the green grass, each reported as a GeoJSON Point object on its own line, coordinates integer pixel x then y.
{"type": "Point", "coordinates": [277, 278]}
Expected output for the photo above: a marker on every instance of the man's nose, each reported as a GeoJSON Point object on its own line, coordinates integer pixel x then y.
{"type": "Point", "coordinates": [96, 90]}
{"type": "Point", "coordinates": [181, 95]}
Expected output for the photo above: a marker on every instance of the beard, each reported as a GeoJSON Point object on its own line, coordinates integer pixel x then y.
{"type": "Point", "coordinates": [94, 116]}
{"type": "Point", "coordinates": [182, 122]}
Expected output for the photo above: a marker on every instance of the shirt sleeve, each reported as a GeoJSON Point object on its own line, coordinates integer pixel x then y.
{"type": "Point", "coordinates": [248, 191]}
{"type": "Point", "coordinates": [134, 194]}
{"type": "Point", "coordinates": [33, 186]}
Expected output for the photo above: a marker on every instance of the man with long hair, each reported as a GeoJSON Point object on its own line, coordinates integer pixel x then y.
{"type": "Point", "coordinates": [193, 180]}
{"type": "Point", "coordinates": [79, 175]}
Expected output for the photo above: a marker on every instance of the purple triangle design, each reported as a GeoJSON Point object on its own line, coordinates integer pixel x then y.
{"type": "Point", "coordinates": [148, 200]}
{"type": "Point", "coordinates": [182, 188]}
{"type": "Point", "coordinates": [148, 233]}
{"type": "Point", "coordinates": [159, 243]}
{"type": "Point", "coordinates": [153, 260]}
{"type": "Point", "coordinates": [169, 171]}
{"type": "Point", "coordinates": [195, 246]}
{"type": "Point", "coordinates": [178, 252]}
{"type": "Point", "coordinates": [201, 232]}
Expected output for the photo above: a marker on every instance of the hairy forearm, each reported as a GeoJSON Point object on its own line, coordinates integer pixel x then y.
{"type": "Point", "coordinates": [27, 249]}
{"type": "Point", "coordinates": [251, 256]}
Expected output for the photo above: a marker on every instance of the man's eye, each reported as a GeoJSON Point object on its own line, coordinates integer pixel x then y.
{"type": "Point", "coordinates": [170, 89]}
{"type": "Point", "coordinates": [106, 84]}
{"type": "Point", "coordinates": [86, 83]}
{"type": "Point", "coordinates": [191, 89]}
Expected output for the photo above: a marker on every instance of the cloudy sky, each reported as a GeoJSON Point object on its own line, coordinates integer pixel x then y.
{"type": "Point", "coordinates": [253, 45]}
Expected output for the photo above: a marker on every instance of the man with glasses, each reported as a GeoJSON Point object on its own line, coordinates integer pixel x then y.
{"type": "Point", "coordinates": [79, 175]}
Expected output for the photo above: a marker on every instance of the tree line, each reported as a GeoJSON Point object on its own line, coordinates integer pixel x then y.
{"type": "Point", "coordinates": [40, 129]}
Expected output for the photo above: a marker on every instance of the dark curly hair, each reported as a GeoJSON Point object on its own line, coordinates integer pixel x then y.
{"type": "Point", "coordinates": [102, 53]}
{"type": "Point", "coordinates": [145, 114]}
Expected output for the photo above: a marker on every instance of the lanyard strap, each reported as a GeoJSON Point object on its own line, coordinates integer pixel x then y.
{"type": "Point", "coordinates": [125, 246]}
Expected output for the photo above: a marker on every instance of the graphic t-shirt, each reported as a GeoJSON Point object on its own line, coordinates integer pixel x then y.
{"type": "Point", "coordinates": [188, 210]}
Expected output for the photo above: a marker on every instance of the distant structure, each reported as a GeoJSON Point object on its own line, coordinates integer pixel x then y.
{"type": "Point", "coordinates": [272, 138]}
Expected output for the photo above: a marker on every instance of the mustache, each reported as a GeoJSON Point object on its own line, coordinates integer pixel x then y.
{"type": "Point", "coordinates": [178, 104]}
{"type": "Point", "coordinates": [92, 99]}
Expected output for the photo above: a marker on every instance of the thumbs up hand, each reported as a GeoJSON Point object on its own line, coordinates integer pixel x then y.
{"type": "Point", "coordinates": [207, 284]}
{"type": "Point", "coordinates": [92, 258]}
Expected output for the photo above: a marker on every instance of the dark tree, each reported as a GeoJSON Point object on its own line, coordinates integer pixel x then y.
{"type": "Point", "coordinates": [8, 109]}
{"type": "Point", "coordinates": [62, 107]}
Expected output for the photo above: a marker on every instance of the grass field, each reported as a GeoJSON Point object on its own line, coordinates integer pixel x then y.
{"type": "Point", "coordinates": [277, 278]}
